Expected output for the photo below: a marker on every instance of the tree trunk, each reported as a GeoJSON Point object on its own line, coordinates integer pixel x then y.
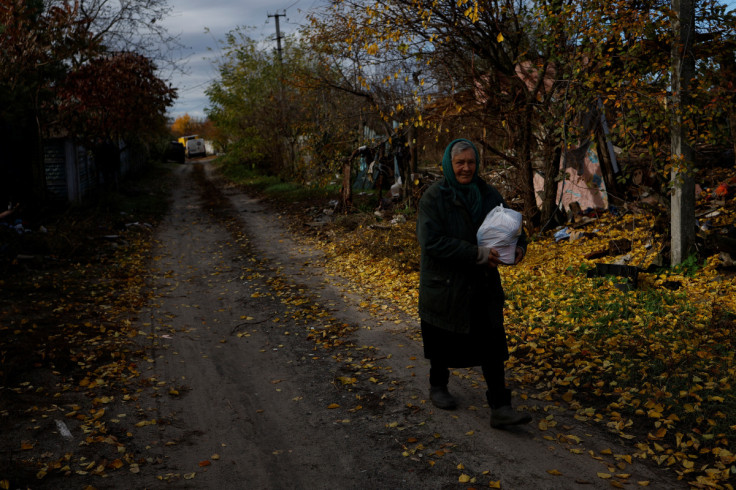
{"type": "Point", "coordinates": [346, 191]}
{"type": "Point", "coordinates": [412, 137]}
{"type": "Point", "coordinates": [527, 170]}
{"type": "Point", "coordinates": [607, 170]}
{"type": "Point", "coordinates": [411, 163]}
{"type": "Point", "coordinates": [551, 186]}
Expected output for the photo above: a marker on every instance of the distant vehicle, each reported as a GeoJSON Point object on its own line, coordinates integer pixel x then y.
{"type": "Point", "coordinates": [195, 148]}
{"type": "Point", "coordinates": [175, 152]}
{"type": "Point", "coordinates": [183, 140]}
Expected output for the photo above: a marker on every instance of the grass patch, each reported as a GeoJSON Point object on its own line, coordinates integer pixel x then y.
{"type": "Point", "coordinates": [654, 365]}
{"type": "Point", "coordinates": [273, 187]}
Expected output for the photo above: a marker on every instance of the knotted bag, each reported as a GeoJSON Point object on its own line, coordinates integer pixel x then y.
{"type": "Point", "coordinates": [501, 229]}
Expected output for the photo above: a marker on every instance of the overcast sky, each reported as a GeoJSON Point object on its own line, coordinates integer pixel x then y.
{"type": "Point", "coordinates": [190, 19]}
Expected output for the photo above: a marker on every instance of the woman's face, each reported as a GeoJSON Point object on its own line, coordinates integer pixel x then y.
{"type": "Point", "coordinates": [463, 164]}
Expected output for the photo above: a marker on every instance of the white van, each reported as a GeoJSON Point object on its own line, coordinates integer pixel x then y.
{"type": "Point", "coordinates": [195, 148]}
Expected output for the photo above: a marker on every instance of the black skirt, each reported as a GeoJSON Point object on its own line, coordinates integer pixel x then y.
{"type": "Point", "coordinates": [479, 346]}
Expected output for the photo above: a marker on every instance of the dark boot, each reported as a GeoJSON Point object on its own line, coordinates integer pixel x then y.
{"type": "Point", "coordinates": [505, 416]}
{"type": "Point", "coordinates": [502, 415]}
{"type": "Point", "coordinates": [441, 398]}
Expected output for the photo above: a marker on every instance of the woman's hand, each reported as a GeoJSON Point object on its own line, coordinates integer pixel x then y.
{"type": "Point", "coordinates": [519, 255]}
{"type": "Point", "coordinates": [494, 259]}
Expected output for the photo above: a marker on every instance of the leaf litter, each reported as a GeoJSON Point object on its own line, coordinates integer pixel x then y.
{"type": "Point", "coordinates": [654, 366]}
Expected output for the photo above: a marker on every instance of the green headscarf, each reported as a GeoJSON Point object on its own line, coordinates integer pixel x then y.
{"type": "Point", "coordinates": [469, 194]}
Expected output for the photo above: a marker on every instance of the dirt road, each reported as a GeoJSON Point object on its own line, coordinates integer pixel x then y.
{"type": "Point", "coordinates": [246, 389]}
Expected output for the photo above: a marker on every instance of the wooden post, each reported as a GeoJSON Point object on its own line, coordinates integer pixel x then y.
{"type": "Point", "coordinates": [683, 186]}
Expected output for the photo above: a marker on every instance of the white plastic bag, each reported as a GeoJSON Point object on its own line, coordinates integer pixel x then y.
{"type": "Point", "coordinates": [501, 229]}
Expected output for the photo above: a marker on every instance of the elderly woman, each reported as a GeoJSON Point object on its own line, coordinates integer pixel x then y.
{"type": "Point", "coordinates": [460, 293]}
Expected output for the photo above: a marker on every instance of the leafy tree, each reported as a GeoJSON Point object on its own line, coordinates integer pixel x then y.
{"type": "Point", "coordinates": [242, 101]}
{"type": "Point", "coordinates": [35, 41]}
{"type": "Point", "coordinates": [383, 83]}
{"type": "Point", "coordinates": [182, 125]}
{"type": "Point", "coordinates": [115, 97]}
{"type": "Point", "coordinates": [186, 124]}
{"type": "Point", "coordinates": [270, 113]}
{"type": "Point", "coordinates": [41, 43]}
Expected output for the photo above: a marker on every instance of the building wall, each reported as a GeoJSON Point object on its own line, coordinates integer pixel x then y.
{"type": "Point", "coordinates": [71, 174]}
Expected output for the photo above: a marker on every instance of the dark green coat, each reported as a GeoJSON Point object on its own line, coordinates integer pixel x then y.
{"type": "Point", "coordinates": [456, 293]}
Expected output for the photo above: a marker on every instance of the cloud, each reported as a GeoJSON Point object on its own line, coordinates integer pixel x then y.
{"type": "Point", "coordinates": [201, 25]}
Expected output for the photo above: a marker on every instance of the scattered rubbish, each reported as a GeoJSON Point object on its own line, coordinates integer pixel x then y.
{"type": "Point", "coordinates": [562, 234]}
{"type": "Point", "coordinates": [623, 260]}
{"type": "Point", "coordinates": [596, 255]}
{"type": "Point", "coordinates": [576, 235]}
{"type": "Point", "coordinates": [63, 430]}
{"type": "Point", "coordinates": [138, 225]}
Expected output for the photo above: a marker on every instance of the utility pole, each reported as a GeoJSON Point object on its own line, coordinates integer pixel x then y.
{"type": "Point", "coordinates": [282, 112]}
{"type": "Point", "coordinates": [682, 204]}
